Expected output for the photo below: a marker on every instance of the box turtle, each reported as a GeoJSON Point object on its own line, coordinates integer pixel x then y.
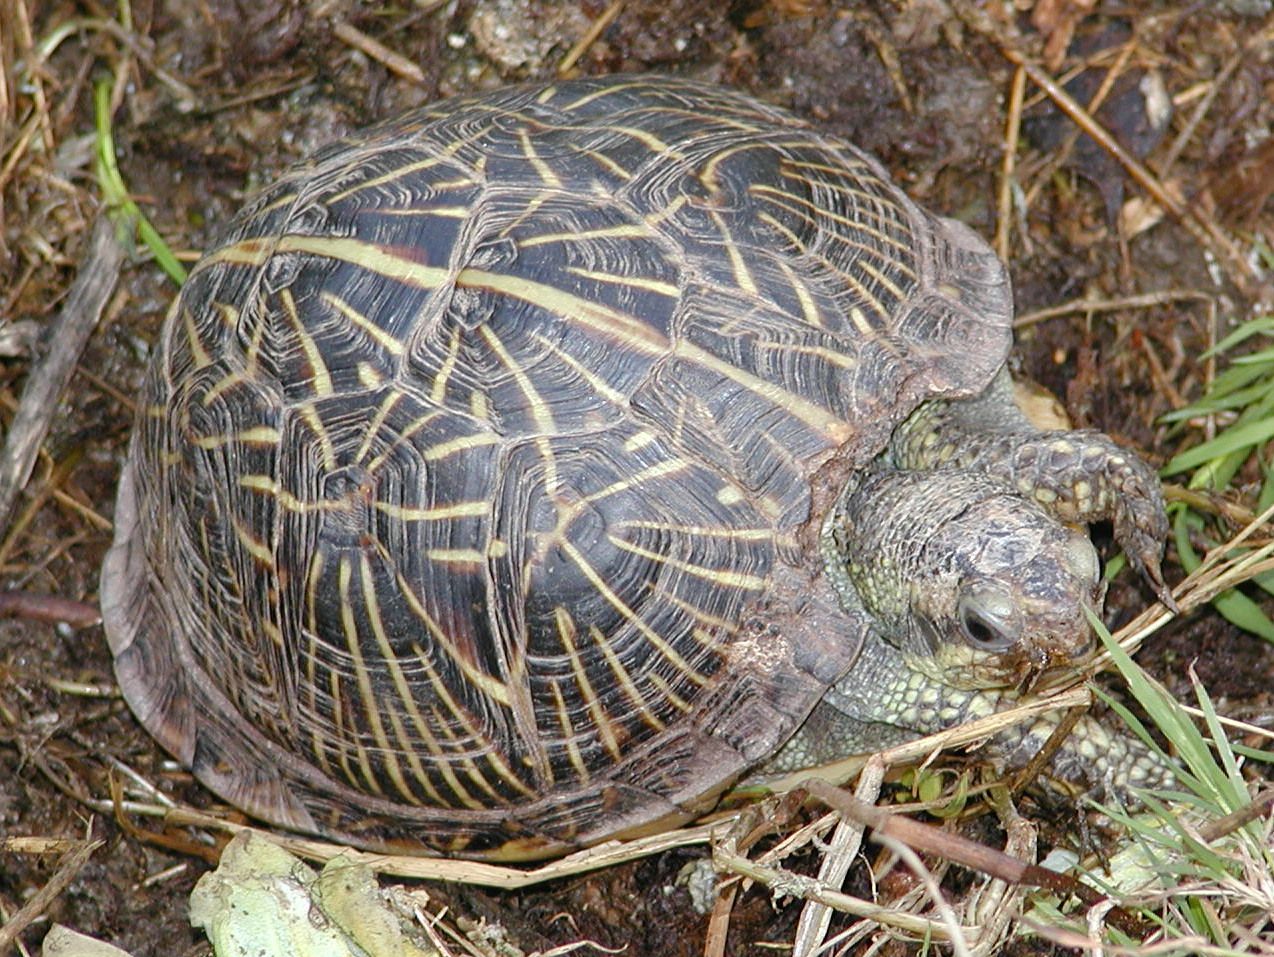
{"type": "Point", "coordinates": [528, 469]}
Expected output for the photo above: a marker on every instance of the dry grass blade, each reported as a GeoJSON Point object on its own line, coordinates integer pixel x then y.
{"type": "Point", "coordinates": [784, 882]}
{"type": "Point", "coordinates": [434, 868]}
{"type": "Point", "coordinates": [841, 851]}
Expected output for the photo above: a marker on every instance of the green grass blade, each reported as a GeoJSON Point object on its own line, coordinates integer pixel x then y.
{"type": "Point", "coordinates": [128, 216]}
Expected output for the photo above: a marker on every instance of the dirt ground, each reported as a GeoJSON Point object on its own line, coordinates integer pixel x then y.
{"type": "Point", "coordinates": [214, 97]}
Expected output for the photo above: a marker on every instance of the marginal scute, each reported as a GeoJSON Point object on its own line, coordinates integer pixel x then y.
{"type": "Point", "coordinates": [477, 517]}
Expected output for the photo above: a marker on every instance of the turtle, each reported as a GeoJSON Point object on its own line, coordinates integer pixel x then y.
{"type": "Point", "coordinates": [526, 470]}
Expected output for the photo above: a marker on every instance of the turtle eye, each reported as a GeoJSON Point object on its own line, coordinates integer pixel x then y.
{"type": "Point", "coordinates": [983, 629]}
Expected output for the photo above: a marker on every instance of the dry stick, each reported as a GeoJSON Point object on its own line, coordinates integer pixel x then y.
{"type": "Point", "coordinates": [952, 847]}
{"type": "Point", "coordinates": [1200, 111]}
{"type": "Point", "coordinates": [1258, 807]}
{"type": "Point", "coordinates": [715, 940]}
{"type": "Point", "coordinates": [1036, 765]}
{"type": "Point", "coordinates": [51, 609]}
{"type": "Point", "coordinates": [39, 903]}
{"type": "Point", "coordinates": [595, 30]}
{"type": "Point", "coordinates": [1005, 226]}
{"type": "Point", "coordinates": [395, 63]}
{"type": "Point", "coordinates": [1202, 229]}
{"type": "Point", "coordinates": [51, 373]}
{"type": "Point", "coordinates": [1118, 304]}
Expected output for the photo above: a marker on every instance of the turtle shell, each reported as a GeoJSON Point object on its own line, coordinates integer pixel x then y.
{"type": "Point", "coordinates": [473, 500]}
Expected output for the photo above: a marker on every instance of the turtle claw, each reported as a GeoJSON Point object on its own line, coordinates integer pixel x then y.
{"type": "Point", "coordinates": [1141, 522]}
{"type": "Point", "coordinates": [1149, 566]}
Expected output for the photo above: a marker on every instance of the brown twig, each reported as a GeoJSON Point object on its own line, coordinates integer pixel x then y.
{"type": "Point", "coordinates": [953, 847]}
{"type": "Point", "coordinates": [51, 373]}
{"type": "Point", "coordinates": [395, 63]}
{"type": "Point", "coordinates": [1022, 779]}
{"type": "Point", "coordinates": [70, 865]}
{"type": "Point", "coordinates": [1142, 301]}
{"type": "Point", "coordinates": [1012, 127]}
{"type": "Point", "coordinates": [52, 609]}
{"type": "Point", "coordinates": [1258, 807]}
{"type": "Point", "coordinates": [595, 30]}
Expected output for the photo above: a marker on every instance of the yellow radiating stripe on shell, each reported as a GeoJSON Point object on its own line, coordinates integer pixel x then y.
{"type": "Point", "coordinates": [596, 382]}
{"type": "Point", "coordinates": [630, 331]}
{"type": "Point", "coordinates": [742, 275]}
{"type": "Point", "coordinates": [702, 616]}
{"type": "Point", "coordinates": [705, 531]}
{"type": "Point", "coordinates": [342, 733]}
{"type": "Point", "coordinates": [464, 719]}
{"type": "Point", "coordinates": [438, 392]}
{"type": "Point", "coordinates": [601, 159]}
{"type": "Point", "coordinates": [373, 428]}
{"type": "Point", "coordinates": [568, 733]}
{"type": "Point", "coordinates": [363, 678]}
{"type": "Point", "coordinates": [626, 231]}
{"type": "Point", "coordinates": [809, 308]}
{"type": "Point", "coordinates": [310, 416]}
{"type": "Point", "coordinates": [542, 169]}
{"type": "Point", "coordinates": [404, 436]}
{"type": "Point", "coordinates": [658, 470]}
{"type": "Point", "coordinates": [626, 683]}
{"type": "Point", "coordinates": [373, 331]}
{"type": "Point", "coordinates": [223, 385]}
{"type": "Point", "coordinates": [401, 685]}
{"type": "Point", "coordinates": [463, 443]}
{"type": "Point", "coordinates": [541, 411]}
{"type": "Point", "coordinates": [310, 686]}
{"type": "Point", "coordinates": [436, 212]}
{"type": "Point", "coordinates": [487, 684]}
{"type": "Point", "coordinates": [256, 435]}
{"type": "Point", "coordinates": [665, 689]}
{"type": "Point", "coordinates": [670, 289]}
{"type": "Point", "coordinates": [400, 172]}
{"type": "Point", "coordinates": [253, 545]}
{"type": "Point", "coordinates": [320, 377]}
{"type": "Point", "coordinates": [815, 416]}
{"type": "Point", "coordinates": [642, 338]}
{"type": "Point", "coordinates": [370, 256]}
{"type": "Point", "coordinates": [639, 440]}
{"type": "Point", "coordinates": [721, 576]}
{"type": "Point", "coordinates": [410, 755]}
{"type": "Point", "coordinates": [462, 556]}
{"type": "Point", "coordinates": [198, 354]}
{"type": "Point", "coordinates": [443, 760]}
{"type": "Point", "coordinates": [656, 639]}
{"type": "Point", "coordinates": [439, 513]}
{"type": "Point", "coordinates": [602, 723]}
{"type": "Point", "coordinates": [813, 212]}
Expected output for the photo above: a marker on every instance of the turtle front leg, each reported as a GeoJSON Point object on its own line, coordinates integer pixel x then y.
{"type": "Point", "coordinates": [1077, 476]}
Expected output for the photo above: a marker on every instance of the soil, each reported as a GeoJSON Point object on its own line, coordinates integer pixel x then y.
{"type": "Point", "coordinates": [217, 96]}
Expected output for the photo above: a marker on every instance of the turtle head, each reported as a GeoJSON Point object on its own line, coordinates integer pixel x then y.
{"type": "Point", "coordinates": [960, 574]}
{"type": "Point", "coordinates": [1006, 579]}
